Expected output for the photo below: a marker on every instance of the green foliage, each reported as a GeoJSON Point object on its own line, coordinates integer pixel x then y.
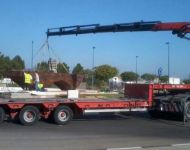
{"type": "Point", "coordinates": [101, 84]}
{"type": "Point", "coordinates": [88, 77]}
{"type": "Point", "coordinates": [62, 68]}
{"type": "Point", "coordinates": [7, 64]}
{"type": "Point", "coordinates": [88, 73]}
{"type": "Point", "coordinates": [17, 63]}
{"type": "Point", "coordinates": [129, 76]}
{"type": "Point", "coordinates": [105, 72]}
{"type": "Point", "coordinates": [78, 69]}
{"type": "Point", "coordinates": [148, 77]}
{"type": "Point", "coordinates": [163, 79]}
{"type": "Point", "coordinates": [187, 81]}
{"type": "Point", "coordinates": [43, 66]}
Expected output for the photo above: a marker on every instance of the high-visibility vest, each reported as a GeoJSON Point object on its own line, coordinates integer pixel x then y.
{"type": "Point", "coordinates": [40, 86]}
{"type": "Point", "coordinates": [27, 78]}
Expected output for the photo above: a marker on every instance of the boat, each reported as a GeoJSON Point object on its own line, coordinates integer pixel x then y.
{"type": "Point", "coordinates": [64, 81]}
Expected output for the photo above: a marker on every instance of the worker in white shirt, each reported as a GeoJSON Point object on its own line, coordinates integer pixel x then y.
{"type": "Point", "coordinates": [37, 80]}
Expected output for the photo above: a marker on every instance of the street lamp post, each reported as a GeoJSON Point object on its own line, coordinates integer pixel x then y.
{"type": "Point", "coordinates": [168, 44]}
{"type": "Point", "coordinates": [136, 68]}
{"type": "Point", "coordinates": [93, 48]}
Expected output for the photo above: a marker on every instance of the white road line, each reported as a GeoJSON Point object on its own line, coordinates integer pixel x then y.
{"type": "Point", "coordinates": [134, 148]}
{"type": "Point", "coordinates": [130, 148]}
{"type": "Point", "coordinates": [184, 144]}
{"type": "Point", "coordinates": [123, 116]}
{"type": "Point", "coordinates": [124, 148]}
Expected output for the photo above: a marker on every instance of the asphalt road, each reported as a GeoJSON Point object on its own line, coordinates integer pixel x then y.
{"type": "Point", "coordinates": [97, 133]}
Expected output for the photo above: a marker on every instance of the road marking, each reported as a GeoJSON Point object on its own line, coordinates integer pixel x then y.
{"type": "Point", "coordinates": [123, 116]}
{"type": "Point", "coordinates": [124, 148]}
{"type": "Point", "coordinates": [156, 146]}
{"type": "Point", "coordinates": [145, 147]}
{"type": "Point", "coordinates": [184, 144]}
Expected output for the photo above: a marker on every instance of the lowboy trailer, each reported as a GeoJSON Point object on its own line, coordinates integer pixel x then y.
{"type": "Point", "coordinates": [154, 98]}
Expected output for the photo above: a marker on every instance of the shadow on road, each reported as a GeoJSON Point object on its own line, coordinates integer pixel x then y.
{"type": "Point", "coordinates": [100, 117]}
{"type": "Point", "coordinates": [168, 119]}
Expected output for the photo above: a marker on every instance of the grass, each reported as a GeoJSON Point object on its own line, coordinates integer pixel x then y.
{"type": "Point", "coordinates": [106, 95]}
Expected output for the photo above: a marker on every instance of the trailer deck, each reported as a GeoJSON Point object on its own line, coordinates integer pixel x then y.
{"type": "Point", "coordinates": [138, 97]}
{"type": "Point", "coordinates": [82, 103]}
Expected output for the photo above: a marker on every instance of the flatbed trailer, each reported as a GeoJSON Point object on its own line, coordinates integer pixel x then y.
{"type": "Point", "coordinates": [138, 97]}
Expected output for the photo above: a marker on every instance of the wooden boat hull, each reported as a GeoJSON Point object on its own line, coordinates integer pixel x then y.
{"type": "Point", "coordinates": [64, 81]}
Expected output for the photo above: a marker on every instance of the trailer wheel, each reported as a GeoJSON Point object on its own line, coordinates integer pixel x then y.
{"type": "Point", "coordinates": [62, 115]}
{"type": "Point", "coordinates": [187, 110]}
{"type": "Point", "coordinates": [29, 115]}
{"type": "Point", "coordinates": [2, 114]}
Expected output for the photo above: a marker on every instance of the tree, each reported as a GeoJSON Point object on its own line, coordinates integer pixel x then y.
{"type": "Point", "coordinates": [4, 64]}
{"type": "Point", "coordinates": [17, 63]}
{"type": "Point", "coordinates": [101, 84]}
{"type": "Point", "coordinates": [88, 77]}
{"type": "Point", "coordinates": [62, 68]}
{"type": "Point", "coordinates": [88, 73]}
{"type": "Point", "coordinates": [187, 81]}
{"type": "Point", "coordinates": [148, 77]}
{"type": "Point", "coordinates": [103, 73]}
{"type": "Point", "coordinates": [43, 66]}
{"type": "Point", "coordinates": [164, 79]}
{"type": "Point", "coordinates": [129, 76]}
{"type": "Point", "coordinates": [7, 64]}
{"type": "Point", "coordinates": [78, 69]}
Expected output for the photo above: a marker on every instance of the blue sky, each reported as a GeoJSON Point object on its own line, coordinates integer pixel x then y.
{"type": "Point", "coordinates": [23, 21]}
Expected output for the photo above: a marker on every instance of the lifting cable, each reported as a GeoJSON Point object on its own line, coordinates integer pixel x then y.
{"type": "Point", "coordinates": [56, 56]}
{"type": "Point", "coordinates": [45, 46]}
{"type": "Point", "coordinates": [50, 50]}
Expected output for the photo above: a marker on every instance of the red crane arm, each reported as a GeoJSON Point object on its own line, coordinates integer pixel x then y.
{"type": "Point", "coordinates": [173, 26]}
{"type": "Point", "coordinates": [178, 28]}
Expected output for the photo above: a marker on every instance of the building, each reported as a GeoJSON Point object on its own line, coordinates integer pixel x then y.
{"type": "Point", "coordinates": [115, 84]}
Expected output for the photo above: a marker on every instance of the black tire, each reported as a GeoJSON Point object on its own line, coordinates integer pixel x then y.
{"type": "Point", "coordinates": [187, 110]}
{"type": "Point", "coordinates": [2, 115]}
{"type": "Point", "coordinates": [62, 115]}
{"type": "Point", "coordinates": [29, 115]}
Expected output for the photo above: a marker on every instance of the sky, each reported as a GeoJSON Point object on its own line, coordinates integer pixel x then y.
{"type": "Point", "coordinates": [24, 21]}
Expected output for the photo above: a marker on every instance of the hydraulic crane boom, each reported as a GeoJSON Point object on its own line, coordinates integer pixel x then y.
{"type": "Point", "coordinates": [178, 28]}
